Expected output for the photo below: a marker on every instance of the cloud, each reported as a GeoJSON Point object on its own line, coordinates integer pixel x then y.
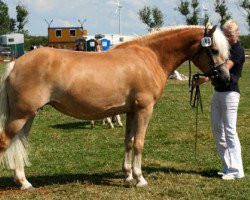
{"type": "Point", "coordinates": [101, 17]}
{"type": "Point", "coordinates": [40, 6]}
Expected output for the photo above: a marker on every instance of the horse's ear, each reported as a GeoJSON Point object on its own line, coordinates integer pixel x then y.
{"type": "Point", "coordinates": [209, 26]}
{"type": "Point", "coordinates": [210, 32]}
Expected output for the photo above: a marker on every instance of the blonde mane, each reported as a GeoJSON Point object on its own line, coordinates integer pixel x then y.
{"type": "Point", "coordinates": [149, 36]}
{"type": "Point", "coordinates": [219, 39]}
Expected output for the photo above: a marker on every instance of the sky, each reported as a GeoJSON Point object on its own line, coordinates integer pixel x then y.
{"type": "Point", "coordinates": [102, 16]}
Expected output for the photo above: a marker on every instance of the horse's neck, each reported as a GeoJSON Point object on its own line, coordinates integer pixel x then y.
{"type": "Point", "coordinates": [175, 47]}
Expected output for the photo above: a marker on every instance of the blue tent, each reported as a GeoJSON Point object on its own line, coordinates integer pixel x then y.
{"type": "Point", "coordinates": [105, 44]}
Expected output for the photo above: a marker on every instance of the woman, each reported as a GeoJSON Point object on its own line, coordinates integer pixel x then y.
{"type": "Point", "coordinates": [224, 108]}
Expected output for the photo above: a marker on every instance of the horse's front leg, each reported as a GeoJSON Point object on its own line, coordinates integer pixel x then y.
{"type": "Point", "coordinates": [142, 119]}
{"type": "Point", "coordinates": [109, 121]}
{"type": "Point", "coordinates": [92, 122]}
{"type": "Point", "coordinates": [119, 121]}
{"type": "Point", "coordinates": [129, 145]}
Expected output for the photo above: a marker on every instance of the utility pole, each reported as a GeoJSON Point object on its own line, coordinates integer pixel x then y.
{"type": "Point", "coordinates": [49, 23]}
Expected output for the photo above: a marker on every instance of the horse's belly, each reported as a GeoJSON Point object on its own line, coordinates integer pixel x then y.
{"type": "Point", "coordinates": [90, 110]}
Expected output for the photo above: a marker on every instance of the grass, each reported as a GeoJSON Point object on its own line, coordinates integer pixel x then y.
{"type": "Point", "coordinates": [72, 161]}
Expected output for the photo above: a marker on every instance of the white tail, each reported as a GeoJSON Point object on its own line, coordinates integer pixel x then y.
{"type": "Point", "coordinates": [16, 154]}
{"type": "Point", "coordinates": [4, 107]}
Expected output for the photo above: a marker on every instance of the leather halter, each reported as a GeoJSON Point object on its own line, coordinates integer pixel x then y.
{"type": "Point", "coordinates": [213, 70]}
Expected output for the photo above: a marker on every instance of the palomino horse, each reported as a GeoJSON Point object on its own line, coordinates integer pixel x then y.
{"type": "Point", "coordinates": [129, 78]}
{"type": "Point", "coordinates": [110, 121]}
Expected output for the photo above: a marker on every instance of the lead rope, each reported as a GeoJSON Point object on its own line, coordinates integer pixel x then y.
{"type": "Point", "coordinates": [195, 102]}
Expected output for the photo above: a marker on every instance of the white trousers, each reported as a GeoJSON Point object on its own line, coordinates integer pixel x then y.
{"type": "Point", "coordinates": [224, 109]}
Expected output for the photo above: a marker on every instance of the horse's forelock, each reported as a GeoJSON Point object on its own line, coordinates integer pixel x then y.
{"type": "Point", "coordinates": [221, 43]}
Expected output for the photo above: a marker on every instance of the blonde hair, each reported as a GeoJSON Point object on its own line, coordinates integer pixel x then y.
{"type": "Point", "coordinates": [231, 25]}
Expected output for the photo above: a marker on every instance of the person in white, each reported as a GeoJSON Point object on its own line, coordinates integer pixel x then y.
{"type": "Point", "coordinates": [224, 108]}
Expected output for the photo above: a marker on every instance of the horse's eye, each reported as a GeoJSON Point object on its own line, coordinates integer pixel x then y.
{"type": "Point", "coordinates": [215, 51]}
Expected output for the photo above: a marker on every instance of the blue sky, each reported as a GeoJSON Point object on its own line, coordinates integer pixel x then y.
{"type": "Point", "coordinates": [101, 16]}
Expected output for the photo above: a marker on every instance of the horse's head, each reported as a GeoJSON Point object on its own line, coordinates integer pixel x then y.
{"type": "Point", "coordinates": [212, 54]}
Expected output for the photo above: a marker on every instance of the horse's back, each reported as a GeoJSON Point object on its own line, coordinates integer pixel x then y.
{"type": "Point", "coordinates": [86, 85]}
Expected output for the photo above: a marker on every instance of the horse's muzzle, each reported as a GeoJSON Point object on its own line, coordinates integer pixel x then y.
{"type": "Point", "coordinates": [220, 77]}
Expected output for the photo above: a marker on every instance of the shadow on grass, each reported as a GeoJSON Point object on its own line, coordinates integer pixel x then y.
{"type": "Point", "coordinates": [78, 125]}
{"type": "Point", "coordinates": [206, 173]}
{"type": "Point", "coordinates": [114, 179]}
{"type": "Point", "coordinates": [105, 179]}
{"type": "Point", "coordinates": [73, 125]}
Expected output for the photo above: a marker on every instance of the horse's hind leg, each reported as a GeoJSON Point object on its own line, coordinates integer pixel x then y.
{"type": "Point", "coordinates": [129, 145]}
{"type": "Point", "coordinates": [19, 174]}
{"type": "Point", "coordinates": [15, 154]}
{"type": "Point", "coordinates": [142, 118]}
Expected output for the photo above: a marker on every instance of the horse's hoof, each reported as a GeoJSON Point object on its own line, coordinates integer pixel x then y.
{"type": "Point", "coordinates": [130, 182]}
{"type": "Point", "coordinates": [111, 126]}
{"type": "Point", "coordinates": [27, 188]}
{"type": "Point", "coordinates": [142, 185]}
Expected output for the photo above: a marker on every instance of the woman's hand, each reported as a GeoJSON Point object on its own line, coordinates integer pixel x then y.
{"type": "Point", "coordinates": [199, 81]}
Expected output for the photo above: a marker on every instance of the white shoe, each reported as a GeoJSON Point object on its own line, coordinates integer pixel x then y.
{"type": "Point", "coordinates": [228, 177]}
{"type": "Point", "coordinates": [231, 177]}
{"type": "Point", "coordinates": [221, 173]}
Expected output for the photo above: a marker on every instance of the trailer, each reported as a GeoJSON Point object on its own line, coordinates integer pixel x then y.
{"type": "Point", "coordinates": [15, 42]}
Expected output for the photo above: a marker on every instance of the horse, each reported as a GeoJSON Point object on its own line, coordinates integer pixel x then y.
{"type": "Point", "coordinates": [110, 121]}
{"type": "Point", "coordinates": [128, 78]}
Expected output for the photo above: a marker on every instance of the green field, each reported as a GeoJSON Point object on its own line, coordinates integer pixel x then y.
{"type": "Point", "coordinates": [72, 161]}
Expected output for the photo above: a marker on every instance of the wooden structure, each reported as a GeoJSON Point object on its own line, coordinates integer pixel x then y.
{"type": "Point", "coordinates": [64, 37]}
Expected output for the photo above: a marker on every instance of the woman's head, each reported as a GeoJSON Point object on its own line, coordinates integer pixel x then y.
{"type": "Point", "coordinates": [231, 31]}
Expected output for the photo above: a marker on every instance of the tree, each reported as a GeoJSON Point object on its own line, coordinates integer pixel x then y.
{"type": "Point", "coordinates": [12, 25]}
{"type": "Point", "coordinates": [183, 8]}
{"type": "Point", "coordinates": [5, 20]}
{"type": "Point", "coordinates": [206, 19]}
{"type": "Point", "coordinates": [21, 18]}
{"type": "Point", "coordinates": [245, 4]}
{"type": "Point", "coordinates": [221, 9]}
{"type": "Point", "coordinates": [153, 18]}
{"type": "Point", "coordinates": [7, 24]}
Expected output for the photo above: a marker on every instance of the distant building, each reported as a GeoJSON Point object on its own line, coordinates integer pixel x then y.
{"type": "Point", "coordinates": [72, 37]}
{"type": "Point", "coordinates": [117, 38]}
{"type": "Point", "coordinates": [64, 37]}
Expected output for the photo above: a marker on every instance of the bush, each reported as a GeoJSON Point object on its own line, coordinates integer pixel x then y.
{"type": "Point", "coordinates": [35, 40]}
{"type": "Point", "coordinates": [245, 41]}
